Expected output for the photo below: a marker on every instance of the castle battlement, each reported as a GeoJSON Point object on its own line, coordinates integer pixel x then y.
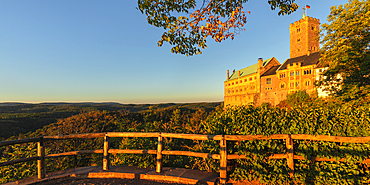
{"type": "Point", "coordinates": [307, 18]}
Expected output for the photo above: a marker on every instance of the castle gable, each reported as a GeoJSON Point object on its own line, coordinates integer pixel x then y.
{"type": "Point", "coordinates": [267, 61]}
{"type": "Point", "coordinates": [271, 71]}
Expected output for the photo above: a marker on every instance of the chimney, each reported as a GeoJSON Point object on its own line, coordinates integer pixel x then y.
{"type": "Point", "coordinates": [239, 73]}
{"type": "Point", "coordinates": [233, 71]}
{"type": "Point", "coordinates": [228, 76]}
{"type": "Point", "coordinates": [260, 63]}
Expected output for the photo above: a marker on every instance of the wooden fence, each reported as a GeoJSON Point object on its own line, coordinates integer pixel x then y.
{"type": "Point", "coordinates": [222, 156]}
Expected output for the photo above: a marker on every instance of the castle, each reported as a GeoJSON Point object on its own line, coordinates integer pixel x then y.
{"type": "Point", "coordinates": [268, 81]}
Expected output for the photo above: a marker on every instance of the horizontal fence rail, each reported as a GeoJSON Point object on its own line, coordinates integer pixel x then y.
{"type": "Point", "coordinates": [223, 156]}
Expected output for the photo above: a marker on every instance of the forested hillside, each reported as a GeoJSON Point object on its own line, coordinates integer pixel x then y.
{"type": "Point", "coordinates": [21, 118]}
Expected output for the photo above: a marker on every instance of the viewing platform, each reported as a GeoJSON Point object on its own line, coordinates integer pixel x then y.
{"type": "Point", "coordinates": [168, 174]}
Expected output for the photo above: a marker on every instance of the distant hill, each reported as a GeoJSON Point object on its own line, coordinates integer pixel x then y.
{"type": "Point", "coordinates": [20, 118]}
{"type": "Point", "coordinates": [10, 104]}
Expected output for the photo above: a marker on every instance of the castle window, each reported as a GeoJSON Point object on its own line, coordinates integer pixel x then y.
{"type": "Point", "coordinates": [229, 91]}
{"type": "Point", "coordinates": [292, 85]}
{"type": "Point", "coordinates": [255, 77]}
{"type": "Point", "coordinates": [297, 73]}
{"type": "Point", "coordinates": [250, 79]}
{"type": "Point", "coordinates": [245, 80]}
{"type": "Point", "coordinates": [299, 49]}
{"type": "Point", "coordinates": [297, 84]}
{"type": "Point", "coordinates": [298, 30]}
{"type": "Point", "coordinates": [307, 83]}
{"type": "Point", "coordinates": [282, 75]}
{"type": "Point", "coordinates": [292, 73]}
{"type": "Point", "coordinates": [282, 85]}
{"type": "Point", "coordinates": [236, 82]}
{"type": "Point", "coordinates": [299, 40]}
{"type": "Point", "coordinates": [313, 27]}
{"type": "Point", "coordinates": [241, 81]}
{"type": "Point", "coordinates": [268, 80]}
{"type": "Point", "coordinates": [233, 83]}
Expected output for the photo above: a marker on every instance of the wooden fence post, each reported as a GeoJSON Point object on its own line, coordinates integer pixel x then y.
{"type": "Point", "coordinates": [290, 154]}
{"type": "Point", "coordinates": [223, 160]}
{"type": "Point", "coordinates": [41, 171]}
{"type": "Point", "coordinates": [159, 154]}
{"type": "Point", "coordinates": [105, 153]}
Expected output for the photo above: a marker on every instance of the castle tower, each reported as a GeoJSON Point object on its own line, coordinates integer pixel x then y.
{"type": "Point", "coordinates": [304, 36]}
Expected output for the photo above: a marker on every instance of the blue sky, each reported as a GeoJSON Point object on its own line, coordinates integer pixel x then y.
{"type": "Point", "coordinates": [105, 51]}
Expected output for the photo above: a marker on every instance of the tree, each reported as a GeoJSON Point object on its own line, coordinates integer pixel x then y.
{"type": "Point", "coordinates": [298, 98]}
{"type": "Point", "coordinates": [345, 51]}
{"type": "Point", "coordinates": [187, 26]}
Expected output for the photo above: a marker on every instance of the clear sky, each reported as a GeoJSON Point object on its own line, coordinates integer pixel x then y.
{"type": "Point", "coordinates": [105, 51]}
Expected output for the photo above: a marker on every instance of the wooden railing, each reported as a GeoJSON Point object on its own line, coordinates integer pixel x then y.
{"type": "Point", "coordinates": [223, 156]}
